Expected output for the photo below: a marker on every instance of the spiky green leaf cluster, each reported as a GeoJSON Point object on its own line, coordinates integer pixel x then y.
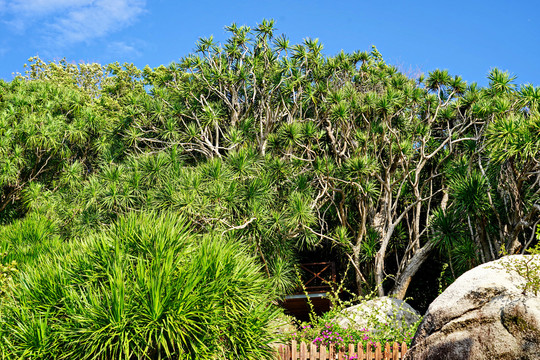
{"type": "Point", "coordinates": [146, 288]}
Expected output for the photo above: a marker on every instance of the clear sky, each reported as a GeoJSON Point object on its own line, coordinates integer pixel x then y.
{"type": "Point", "coordinates": [466, 37]}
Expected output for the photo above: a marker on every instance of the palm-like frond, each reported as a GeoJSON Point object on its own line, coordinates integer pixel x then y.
{"type": "Point", "coordinates": [501, 82]}
{"type": "Point", "coordinates": [470, 193]}
{"type": "Point", "coordinates": [447, 229]}
{"type": "Point", "coordinates": [142, 291]}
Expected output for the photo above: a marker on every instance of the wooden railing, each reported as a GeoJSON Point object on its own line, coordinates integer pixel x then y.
{"type": "Point", "coordinates": [317, 277]}
{"type": "Point", "coordinates": [305, 351]}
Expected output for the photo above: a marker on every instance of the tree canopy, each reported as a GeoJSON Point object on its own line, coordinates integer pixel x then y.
{"type": "Point", "coordinates": [284, 149]}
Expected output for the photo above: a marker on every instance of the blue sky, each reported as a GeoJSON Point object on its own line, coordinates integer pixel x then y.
{"type": "Point", "coordinates": [466, 37]}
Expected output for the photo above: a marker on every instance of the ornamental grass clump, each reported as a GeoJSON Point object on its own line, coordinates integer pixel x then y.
{"type": "Point", "coordinates": [146, 288]}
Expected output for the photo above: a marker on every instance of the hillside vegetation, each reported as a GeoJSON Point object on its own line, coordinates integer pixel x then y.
{"type": "Point", "coordinates": [256, 146]}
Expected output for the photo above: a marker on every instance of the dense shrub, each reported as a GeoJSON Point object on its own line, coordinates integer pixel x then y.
{"type": "Point", "coordinates": [146, 288]}
{"type": "Point", "coordinates": [326, 329]}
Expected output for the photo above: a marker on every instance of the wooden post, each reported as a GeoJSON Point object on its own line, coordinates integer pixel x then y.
{"type": "Point", "coordinates": [294, 352]}
{"type": "Point", "coordinates": [351, 350]}
{"type": "Point", "coordinates": [403, 349]}
{"type": "Point", "coordinates": [395, 351]}
{"type": "Point", "coordinates": [360, 351]}
{"type": "Point", "coordinates": [387, 351]}
{"type": "Point", "coordinates": [323, 355]}
{"type": "Point", "coordinates": [378, 353]}
{"type": "Point", "coordinates": [313, 352]}
{"type": "Point", "coordinates": [332, 353]}
{"type": "Point", "coordinates": [281, 352]}
{"type": "Point", "coordinates": [303, 351]}
{"type": "Point", "coordinates": [369, 352]}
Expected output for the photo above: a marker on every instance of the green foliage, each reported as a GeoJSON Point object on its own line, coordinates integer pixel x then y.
{"type": "Point", "coordinates": [6, 276]}
{"type": "Point", "coordinates": [447, 229]}
{"type": "Point", "coordinates": [281, 148]}
{"type": "Point", "coordinates": [528, 268]}
{"type": "Point", "coordinates": [470, 193]}
{"type": "Point", "coordinates": [514, 136]}
{"type": "Point", "coordinates": [145, 288]}
{"type": "Point", "coordinates": [325, 329]}
{"type": "Point", "coordinates": [465, 256]}
{"type": "Point", "coordinates": [29, 239]}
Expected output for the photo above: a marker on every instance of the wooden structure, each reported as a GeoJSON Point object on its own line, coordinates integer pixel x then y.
{"type": "Point", "coordinates": [304, 351]}
{"type": "Point", "coordinates": [318, 279]}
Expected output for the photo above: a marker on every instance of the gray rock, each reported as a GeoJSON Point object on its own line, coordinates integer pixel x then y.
{"type": "Point", "coordinates": [380, 310]}
{"type": "Point", "coordinates": [485, 314]}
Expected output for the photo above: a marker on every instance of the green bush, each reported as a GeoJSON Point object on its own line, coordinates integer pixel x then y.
{"type": "Point", "coordinates": [528, 268]}
{"type": "Point", "coordinates": [28, 239]}
{"type": "Point", "coordinates": [324, 329]}
{"type": "Point", "coordinates": [147, 288]}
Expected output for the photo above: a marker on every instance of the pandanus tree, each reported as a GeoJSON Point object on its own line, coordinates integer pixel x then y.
{"type": "Point", "coordinates": [285, 149]}
{"type": "Point", "coordinates": [46, 131]}
{"type": "Point", "coordinates": [513, 145]}
{"type": "Point", "coordinates": [367, 138]}
{"type": "Point", "coordinates": [493, 183]}
{"type": "Point", "coordinates": [505, 167]}
{"type": "Point", "coordinates": [226, 94]}
{"type": "Point", "coordinates": [388, 139]}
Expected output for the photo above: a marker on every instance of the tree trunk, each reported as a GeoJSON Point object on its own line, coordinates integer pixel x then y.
{"type": "Point", "coordinates": [359, 277]}
{"type": "Point", "coordinates": [404, 278]}
{"type": "Point", "coordinates": [379, 260]}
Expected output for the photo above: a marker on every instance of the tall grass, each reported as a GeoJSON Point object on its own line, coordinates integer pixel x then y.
{"type": "Point", "coordinates": [147, 288]}
{"type": "Point", "coordinates": [29, 238]}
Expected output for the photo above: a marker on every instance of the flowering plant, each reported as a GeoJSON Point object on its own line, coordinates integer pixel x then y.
{"type": "Point", "coordinates": [325, 330]}
{"type": "Point", "coordinates": [323, 333]}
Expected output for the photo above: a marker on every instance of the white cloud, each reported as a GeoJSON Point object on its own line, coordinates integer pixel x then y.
{"type": "Point", "coordinates": [97, 20]}
{"type": "Point", "coordinates": [120, 48]}
{"type": "Point", "coordinates": [43, 7]}
{"type": "Point", "coordinates": [64, 22]}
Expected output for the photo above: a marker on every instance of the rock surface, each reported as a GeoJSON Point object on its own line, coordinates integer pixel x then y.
{"type": "Point", "coordinates": [381, 310]}
{"type": "Point", "coordinates": [485, 314]}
